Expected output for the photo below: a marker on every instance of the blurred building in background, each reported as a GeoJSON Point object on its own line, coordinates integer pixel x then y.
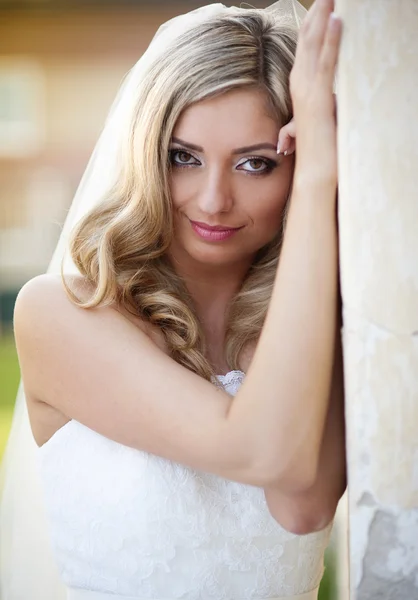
{"type": "Point", "coordinates": [61, 63]}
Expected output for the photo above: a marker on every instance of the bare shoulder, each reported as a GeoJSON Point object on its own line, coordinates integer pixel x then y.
{"type": "Point", "coordinates": [39, 303]}
{"type": "Point", "coordinates": [42, 308]}
{"type": "Point", "coordinates": [45, 296]}
{"type": "Point", "coordinates": [97, 367]}
{"type": "Point", "coordinates": [45, 317]}
{"type": "Point", "coordinates": [45, 293]}
{"type": "Point", "coordinates": [35, 301]}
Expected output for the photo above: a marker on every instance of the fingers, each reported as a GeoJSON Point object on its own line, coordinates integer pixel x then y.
{"type": "Point", "coordinates": [315, 28]}
{"type": "Point", "coordinates": [329, 53]}
{"type": "Point", "coordinates": [312, 77]}
{"type": "Point", "coordinates": [317, 53]}
{"type": "Point", "coordinates": [287, 136]}
{"type": "Point", "coordinates": [313, 14]}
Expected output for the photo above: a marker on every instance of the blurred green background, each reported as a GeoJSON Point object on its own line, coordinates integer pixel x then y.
{"type": "Point", "coordinates": [9, 378]}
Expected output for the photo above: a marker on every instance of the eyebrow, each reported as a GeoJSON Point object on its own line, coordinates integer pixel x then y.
{"type": "Point", "coordinates": [243, 150]}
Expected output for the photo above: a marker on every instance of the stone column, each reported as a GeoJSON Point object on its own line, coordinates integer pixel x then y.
{"type": "Point", "coordinates": [378, 216]}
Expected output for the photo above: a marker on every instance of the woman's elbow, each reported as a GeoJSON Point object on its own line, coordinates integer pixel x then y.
{"type": "Point", "coordinates": [298, 514]}
{"type": "Point", "coordinates": [304, 524]}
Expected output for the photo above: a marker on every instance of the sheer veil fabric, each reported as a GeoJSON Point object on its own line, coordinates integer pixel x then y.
{"type": "Point", "coordinates": [27, 566]}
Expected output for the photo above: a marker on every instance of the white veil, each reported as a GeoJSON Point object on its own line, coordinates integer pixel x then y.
{"type": "Point", "coordinates": [27, 567]}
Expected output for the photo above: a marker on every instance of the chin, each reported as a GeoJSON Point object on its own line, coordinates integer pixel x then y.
{"type": "Point", "coordinates": [218, 255]}
{"type": "Point", "coordinates": [215, 256]}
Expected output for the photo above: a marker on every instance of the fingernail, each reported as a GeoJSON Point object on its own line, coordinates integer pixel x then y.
{"type": "Point", "coordinates": [278, 148]}
{"type": "Point", "coordinates": [334, 20]}
{"type": "Point", "coordinates": [285, 152]}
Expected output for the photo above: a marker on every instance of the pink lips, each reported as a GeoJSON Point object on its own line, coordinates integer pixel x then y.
{"type": "Point", "coordinates": [214, 233]}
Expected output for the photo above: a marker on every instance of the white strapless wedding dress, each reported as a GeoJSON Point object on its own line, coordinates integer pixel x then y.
{"type": "Point", "coordinates": [127, 525]}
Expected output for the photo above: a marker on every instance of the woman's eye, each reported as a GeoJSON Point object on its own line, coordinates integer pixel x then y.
{"type": "Point", "coordinates": [182, 158]}
{"type": "Point", "coordinates": [257, 165]}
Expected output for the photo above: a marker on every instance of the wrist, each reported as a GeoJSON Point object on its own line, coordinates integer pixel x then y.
{"type": "Point", "coordinates": [315, 180]}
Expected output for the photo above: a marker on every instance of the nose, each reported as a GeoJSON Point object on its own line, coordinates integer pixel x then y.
{"type": "Point", "coordinates": [216, 194]}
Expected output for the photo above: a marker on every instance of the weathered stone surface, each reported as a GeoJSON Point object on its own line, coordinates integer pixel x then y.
{"type": "Point", "coordinates": [378, 215]}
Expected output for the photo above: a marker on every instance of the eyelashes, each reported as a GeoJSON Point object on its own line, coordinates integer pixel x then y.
{"type": "Point", "coordinates": [182, 154]}
{"type": "Point", "coordinates": [180, 158]}
{"type": "Point", "coordinates": [268, 164]}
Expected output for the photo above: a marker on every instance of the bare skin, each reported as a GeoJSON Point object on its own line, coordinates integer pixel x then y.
{"type": "Point", "coordinates": [108, 370]}
{"type": "Point", "coordinates": [219, 186]}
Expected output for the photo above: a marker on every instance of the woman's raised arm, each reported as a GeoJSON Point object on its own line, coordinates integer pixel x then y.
{"type": "Point", "coordinates": [95, 367]}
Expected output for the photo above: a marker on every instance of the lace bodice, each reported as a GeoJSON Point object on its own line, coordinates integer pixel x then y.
{"type": "Point", "coordinates": [126, 522]}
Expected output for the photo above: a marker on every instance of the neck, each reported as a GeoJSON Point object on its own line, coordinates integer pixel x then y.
{"type": "Point", "coordinates": [212, 288]}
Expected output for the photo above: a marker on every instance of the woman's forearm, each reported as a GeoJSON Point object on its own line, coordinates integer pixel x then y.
{"type": "Point", "coordinates": [282, 406]}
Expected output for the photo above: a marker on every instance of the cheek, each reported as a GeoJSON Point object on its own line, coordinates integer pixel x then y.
{"type": "Point", "coordinates": [267, 216]}
{"type": "Point", "coordinates": [273, 197]}
{"type": "Point", "coordinates": [266, 205]}
{"type": "Point", "coordinates": [178, 191]}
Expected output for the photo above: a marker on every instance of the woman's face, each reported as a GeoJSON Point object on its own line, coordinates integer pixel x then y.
{"type": "Point", "coordinates": [229, 187]}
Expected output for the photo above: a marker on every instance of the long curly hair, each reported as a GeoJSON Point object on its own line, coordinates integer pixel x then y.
{"type": "Point", "coordinates": [121, 245]}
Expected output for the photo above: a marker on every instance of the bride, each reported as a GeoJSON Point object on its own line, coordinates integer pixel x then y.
{"type": "Point", "coordinates": [167, 473]}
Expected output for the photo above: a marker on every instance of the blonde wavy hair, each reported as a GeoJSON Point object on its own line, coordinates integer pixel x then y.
{"type": "Point", "coordinates": [121, 245]}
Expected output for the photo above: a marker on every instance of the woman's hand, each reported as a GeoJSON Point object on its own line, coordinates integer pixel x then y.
{"type": "Point", "coordinates": [311, 87]}
{"type": "Point", "coordinates": [287, 135]}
